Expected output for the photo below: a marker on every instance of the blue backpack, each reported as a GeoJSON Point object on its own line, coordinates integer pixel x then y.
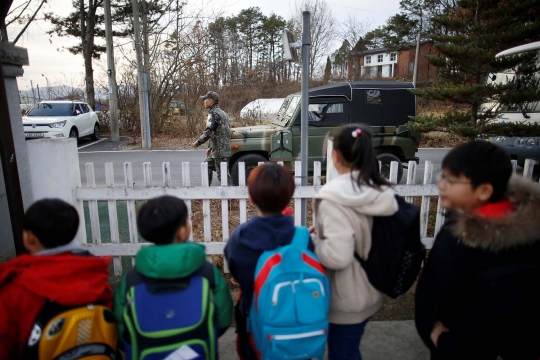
{"type": "Point", "coordinates": [164, 316]}
{"type": "Point", "coordinates": [288, 317]}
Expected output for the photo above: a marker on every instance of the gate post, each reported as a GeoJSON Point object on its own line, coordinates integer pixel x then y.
{"type": "Point", "coordinates": [54, 168]}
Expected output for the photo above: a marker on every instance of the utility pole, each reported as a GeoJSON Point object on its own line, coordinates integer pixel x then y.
{"type": "Point", "coordinates": [111, 72]}
{"type": "Point", "coordinates": [306, 43]}
{"type": "Point", "coordinates": [141, 80]}
{"type": "Point", "coordinates": [415, 71]}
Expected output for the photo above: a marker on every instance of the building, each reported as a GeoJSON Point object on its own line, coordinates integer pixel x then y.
{"type": "Point", "coordinates": [389, 63]}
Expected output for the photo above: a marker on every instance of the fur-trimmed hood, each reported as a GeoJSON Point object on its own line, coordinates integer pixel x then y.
{"type": "Point", "coordinates": [521, 227]}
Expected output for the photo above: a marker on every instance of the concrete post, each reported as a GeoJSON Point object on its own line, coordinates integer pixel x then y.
{"type": "Point", "coordinates": [55, 173]}
{"type": "Point", "coordinates": [12, 60]}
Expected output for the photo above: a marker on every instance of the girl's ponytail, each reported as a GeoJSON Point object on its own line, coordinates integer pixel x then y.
{"type": "Point", "coordinates": [353, 142]}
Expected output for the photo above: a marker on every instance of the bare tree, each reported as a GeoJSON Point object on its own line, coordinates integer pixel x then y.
{"type": "Point", "coordinates": [322, 27]}
{"type": "Point", "coordinates": [353, 29]}
{"type": "Point", "coordinates": [22, 14]}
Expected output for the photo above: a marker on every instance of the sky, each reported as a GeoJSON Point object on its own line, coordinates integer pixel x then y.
{"type": "Point", "coordinates": [52, 66]}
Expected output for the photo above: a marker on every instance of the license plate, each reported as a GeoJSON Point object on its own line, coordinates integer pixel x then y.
{"type": "Point", "coordinates": [32, 134]}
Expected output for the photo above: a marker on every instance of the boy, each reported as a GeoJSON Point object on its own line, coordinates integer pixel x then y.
{"type": "Point", "coordinates": [270, 188]}
{"type": "Point", "coordinates": [164, 222]}
{"type": "Point", "coordinates": [56, 269]}
{"type": "Point", "coordinates": [477, 295]}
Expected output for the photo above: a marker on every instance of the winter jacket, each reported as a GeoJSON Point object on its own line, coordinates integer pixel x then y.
{"type": "Point", "coordinates": [343, 221]}
{"type": "Point", "coordinates": [27, 281]}
{"type": "Point", "coordinates": [176, 261]}
{"type": "Point", "coordinates": [249, 241]}
{"type": "Point", "coordinates": [481, 280]}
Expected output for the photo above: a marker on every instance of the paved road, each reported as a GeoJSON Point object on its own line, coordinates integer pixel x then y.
{"type": "Point", "coordinates": [103, 152]}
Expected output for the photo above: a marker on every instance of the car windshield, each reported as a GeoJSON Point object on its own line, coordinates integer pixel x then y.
{"type": "Point", "coordinates": [287, 110]}
{"type": "Point", "coordinates": [51, 109]}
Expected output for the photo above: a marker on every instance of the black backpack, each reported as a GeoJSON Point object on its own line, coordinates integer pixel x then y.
{"type": "Point", "coordinates": [396, 253]}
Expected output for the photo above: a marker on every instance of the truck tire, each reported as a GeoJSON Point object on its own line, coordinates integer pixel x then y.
{"type": "Point", "coordinates": [386, 159]}
{"type": "Point", "coordinates": [251, 161]}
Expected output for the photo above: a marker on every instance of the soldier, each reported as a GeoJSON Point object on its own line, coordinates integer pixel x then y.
{"type": "Point", "coordinates": [219, 134]}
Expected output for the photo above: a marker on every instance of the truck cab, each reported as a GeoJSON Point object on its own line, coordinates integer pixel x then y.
{"type": "Point", "coordinates": [385, 106]}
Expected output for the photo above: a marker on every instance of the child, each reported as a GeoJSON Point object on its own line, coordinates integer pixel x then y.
{"type": "Point", "coordinates": [477, 297]}
{"type": "Point", "coordinates": [270, 188]}
{"type": "Point", "coordinates": [172, 263]}
{"type": "Point", "coordinates": [56, 269]}
{"type": "Point", "coordinates": [343, 211]}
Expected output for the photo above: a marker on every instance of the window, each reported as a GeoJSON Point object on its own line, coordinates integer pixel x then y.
{"type": "Point", "coordinates": [318, 111]}
{"type": "Point", "coordinates": [393, 57]}
{"type": "Point", "coordinates": [379, 58]}
{"type": "Point", "coordinates": [368, 59]}
{"type": "Point", "coordinates": [86, 108]}
{"type": "Point", "coordinates": [374, 97]}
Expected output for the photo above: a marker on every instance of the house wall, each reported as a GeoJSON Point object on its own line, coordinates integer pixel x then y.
{"type": "Point", "coordinates": [403, 66]}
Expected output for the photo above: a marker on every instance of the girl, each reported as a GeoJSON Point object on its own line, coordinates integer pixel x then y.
{"type": "Point", "coordinates": [343, 211]}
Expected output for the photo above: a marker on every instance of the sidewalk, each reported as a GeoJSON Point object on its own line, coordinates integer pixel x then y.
{"type": "Point", "coordinates": [383, 340]}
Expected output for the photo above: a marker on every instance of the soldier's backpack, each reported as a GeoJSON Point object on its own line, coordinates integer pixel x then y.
{"type": "Point", "coordinates": [396, 253]}
{"type": "Point", "coordinates": [162, 317]}
{"type": "Point", "coordinates": [68, 333]}
{"type": "Point", "coordinates": [288, 316]}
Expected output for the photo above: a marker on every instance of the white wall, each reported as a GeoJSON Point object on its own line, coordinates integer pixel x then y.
{"type": "Point", "coordinates": [55, 173]}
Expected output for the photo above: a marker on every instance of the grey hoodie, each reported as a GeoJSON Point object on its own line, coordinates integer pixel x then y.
{"type": "Point", "coordinates": [343, 215]}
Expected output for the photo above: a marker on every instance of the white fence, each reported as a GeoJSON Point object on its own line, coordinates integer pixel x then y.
{"type": "Point", "coordinates": [130, 194]}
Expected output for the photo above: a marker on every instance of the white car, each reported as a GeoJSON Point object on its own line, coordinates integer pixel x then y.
{"type": "Point", "coordinates": [56, 119]}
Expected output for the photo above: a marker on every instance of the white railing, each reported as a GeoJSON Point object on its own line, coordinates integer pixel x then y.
{"type": "Point", "coordinates": [131, 194]}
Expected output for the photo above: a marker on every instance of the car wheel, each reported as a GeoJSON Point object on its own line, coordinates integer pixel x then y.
{"type": "Point", "coordinates": [251, 161]}
{"type": "Point", "coordinates": [95, 135]}
{"type": "Point", "coordinates": [73, 133]}
{"type": "Point", "coordinates": [386, 159]}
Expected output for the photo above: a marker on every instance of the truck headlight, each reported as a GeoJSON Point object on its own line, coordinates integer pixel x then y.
{"type": "Point", "coordinates": [521, 141]}
{"type": "Point", "coordinates": [500, 139]}
{"type": "Point", "coordinates": [530, 142]}
{"type": "Point", "coordinates": [58, 124]}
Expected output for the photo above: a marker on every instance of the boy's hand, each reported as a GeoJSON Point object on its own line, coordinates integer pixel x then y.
{"type": "Point", "coordinates": [312, 230]}
{"type": "Point", "coordinates": [438, 329]}
{"type": "Point", "coordinates": [195, 144]}
{"type": "Point", "coordinates": [208, 152]}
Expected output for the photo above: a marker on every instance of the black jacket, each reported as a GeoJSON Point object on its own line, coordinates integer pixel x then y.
{"type": "Point", "coordinates": [481, 281]}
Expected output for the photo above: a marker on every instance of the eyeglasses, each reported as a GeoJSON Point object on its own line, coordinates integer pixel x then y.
{"type": "Point", "coordinates": [448, 182]}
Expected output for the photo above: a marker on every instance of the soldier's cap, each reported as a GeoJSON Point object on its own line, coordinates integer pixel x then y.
{"type": "Point", "coordinates": [211, 95]}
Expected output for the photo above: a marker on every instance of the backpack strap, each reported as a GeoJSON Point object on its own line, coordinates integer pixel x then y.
{"type": "Point", "coordinates": [301, 237]}
{"type": "Point", "coordinates": [134, 277]}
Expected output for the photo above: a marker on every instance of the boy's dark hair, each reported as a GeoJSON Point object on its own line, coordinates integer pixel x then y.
{"type": "Point", "coordinates": [358, 152]}
{"type": "Point", "coordinates": [271, 187]}
{"type": "Point", "coordinates": [160, 218]}
{"type": "Point", "coordinates": [53, 221]}
{"type": "Point", "coordinates": [482, 162]}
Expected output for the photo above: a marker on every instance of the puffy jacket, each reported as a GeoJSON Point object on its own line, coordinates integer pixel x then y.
{"type": "Point", "coordinates": [28, 280]}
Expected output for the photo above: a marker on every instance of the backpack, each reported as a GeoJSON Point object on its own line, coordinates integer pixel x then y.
{"type": "Point", "coordinates": [170, 316]}
{"type": "Point", "coordinates": [396, 253]}
{"type": "Point", "coordinates": [288, 317]}
{"type": "Point", "coordinates": [66, 333]}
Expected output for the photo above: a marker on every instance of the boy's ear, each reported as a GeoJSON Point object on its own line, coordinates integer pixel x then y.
{"type": "Point", "coordinates": [182, 234]}
{"type": "Point", "coordinates": [31, 242]}
{"type": "Point", "coordinates": [484, 192]}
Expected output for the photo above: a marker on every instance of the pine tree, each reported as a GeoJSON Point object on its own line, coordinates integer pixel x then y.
{"type": "Point", "coordinates": [327, 71]}
{"type": "Point", "coordinates": [473, 34]}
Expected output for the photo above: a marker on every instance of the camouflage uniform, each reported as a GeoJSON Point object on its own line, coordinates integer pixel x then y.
{"type": "Point", "coordinates": [220, 140]}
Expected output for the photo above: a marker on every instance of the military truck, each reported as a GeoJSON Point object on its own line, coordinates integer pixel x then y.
{"type": "Point", "coordinates": [384, 105]}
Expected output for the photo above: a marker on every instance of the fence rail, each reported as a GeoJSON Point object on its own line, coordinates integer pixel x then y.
{"type": "Point", "coordinates": [92, 194]}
